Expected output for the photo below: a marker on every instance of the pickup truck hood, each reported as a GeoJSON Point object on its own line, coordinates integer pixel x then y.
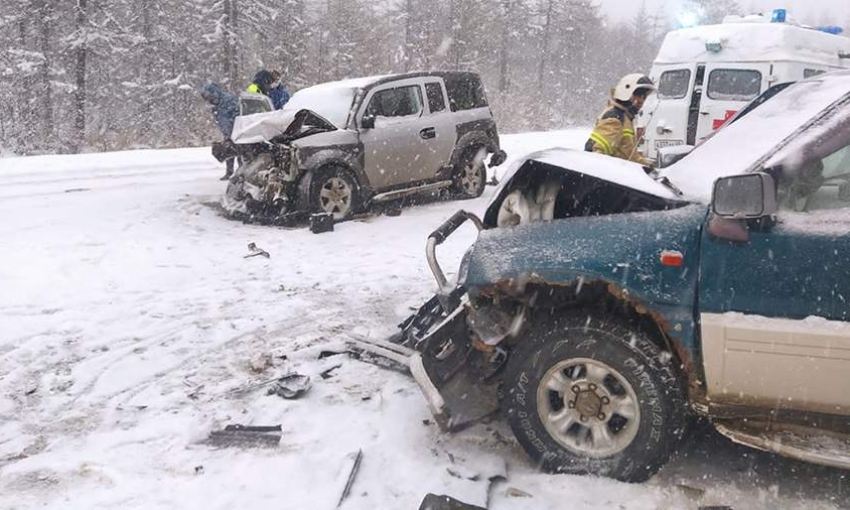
{"type": "Point", "coordinates": [279, 126]}
{"type": "Point", "coordinates": [624, 249]}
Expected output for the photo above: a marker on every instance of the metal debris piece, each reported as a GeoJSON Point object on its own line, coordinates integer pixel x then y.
{"type": "Point", "coordinates": [327, 374]}
{"type": "Point", "coordinates": [353, 460]}
{"type": "Point", "coordinates": [291, 386]}
{"type": "Point", "coordinates": [463, 473]}
{"type": "Point", "coordinates": [435, 502]}
{"type": "Point", "coordinates": [255, 251]}
{"type": "Point", "coordinates": [380, 352]}
{"type": "Point", "coordinates": [246, 436]}
{"type": "Point", "coordinates": [513, 492]}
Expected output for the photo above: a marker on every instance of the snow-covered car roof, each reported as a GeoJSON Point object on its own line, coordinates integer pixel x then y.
{"type": "Point", "coordinates": [744, 145]}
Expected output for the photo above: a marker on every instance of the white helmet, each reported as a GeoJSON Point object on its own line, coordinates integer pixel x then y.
{"type": "Point", "coordinates": [631, 83]}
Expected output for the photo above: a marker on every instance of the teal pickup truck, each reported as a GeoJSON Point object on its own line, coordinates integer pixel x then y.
{"type": "Point", "coordinates": [601, 308]}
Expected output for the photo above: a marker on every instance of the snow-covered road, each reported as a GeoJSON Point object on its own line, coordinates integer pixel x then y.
{"type": "Point", "coordinates": [129, 320]}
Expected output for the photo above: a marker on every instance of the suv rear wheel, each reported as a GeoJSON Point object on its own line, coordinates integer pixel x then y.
{"type": "Point", "coordinates": [333, 190]}
{"type": "Point", "coordinates": [470, 175]}
{"type": "Point", "coordinates": [591, 394]}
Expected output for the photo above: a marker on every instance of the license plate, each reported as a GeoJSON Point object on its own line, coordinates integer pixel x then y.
{"type": "Point", "coordinates": [667, 143]}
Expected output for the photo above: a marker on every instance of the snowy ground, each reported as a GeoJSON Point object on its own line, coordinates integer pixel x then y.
{"type": "Point", "coordinates": [129, 319]}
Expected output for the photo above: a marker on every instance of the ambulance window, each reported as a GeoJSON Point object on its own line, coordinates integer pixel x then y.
{"type": "Point", "coordinates": [734, 84]}
{"type": "Point", "coordinates": [674, 84]}
{"type": "Point", "coordinates": [808, 73]}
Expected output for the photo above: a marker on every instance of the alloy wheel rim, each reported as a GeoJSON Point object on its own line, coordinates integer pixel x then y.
{"type": "Point", "coordinates": [471, 177]}
{"type": "Point", "coordinates": [335, 197]}
{"type": "Point", "coordinates": [589, 408]}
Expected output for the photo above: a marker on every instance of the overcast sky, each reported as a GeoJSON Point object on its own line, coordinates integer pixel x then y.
{"type": "Point", "coordinates": [835, 12]}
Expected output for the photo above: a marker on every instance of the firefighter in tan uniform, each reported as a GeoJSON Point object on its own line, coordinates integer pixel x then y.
{"type": "Point", "coordinates": [614, 133]}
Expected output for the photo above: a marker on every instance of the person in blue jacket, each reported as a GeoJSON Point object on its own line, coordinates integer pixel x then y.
{"type": "Point", "coordinates": [225, 109]}
{"type": "Point", "coordinates": [277, 92]}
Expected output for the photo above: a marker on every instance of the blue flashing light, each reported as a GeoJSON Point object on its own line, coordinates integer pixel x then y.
{"type": "Point", "coordinates": [831, 29]}
{"type": "Point", "coordinates": [688, 19]}
{"type": "Point", "coordinates": [779, 16]}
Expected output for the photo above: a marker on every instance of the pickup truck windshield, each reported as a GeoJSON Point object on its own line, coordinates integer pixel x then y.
{"type": "Point", "coordinates": [753, 137]}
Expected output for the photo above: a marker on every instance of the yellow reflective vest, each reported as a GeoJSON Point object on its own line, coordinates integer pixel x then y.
{"type": "Point", "coordinates": [614, 135]}
{"type": "Point", "coordinates": [254, 89]}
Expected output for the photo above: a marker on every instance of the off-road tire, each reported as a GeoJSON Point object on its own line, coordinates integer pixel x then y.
{"type": "Point", "coordinates": [655, 381]}
{"type": "Point", "coordinates": [329, 178]}
{"type": "Point", "coordinates": [461, 187]}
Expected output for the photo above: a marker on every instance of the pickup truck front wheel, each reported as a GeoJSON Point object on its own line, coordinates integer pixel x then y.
{"type": "Point", "coordinates": [586, 394]}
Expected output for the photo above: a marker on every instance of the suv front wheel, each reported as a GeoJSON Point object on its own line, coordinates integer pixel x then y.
{"type": "Point", "coordinates": [470, 174]}
{"type": "Point", "coordinates": [333, 190]}
{"type": "Point", "coordinates": [586, 393]}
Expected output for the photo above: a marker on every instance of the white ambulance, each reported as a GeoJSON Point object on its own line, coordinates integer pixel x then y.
{"type": "Point", "coordinates": [706, 74]}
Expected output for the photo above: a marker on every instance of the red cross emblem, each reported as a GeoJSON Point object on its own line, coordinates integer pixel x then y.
{"type": "Point", "coordinates": [718, 123]}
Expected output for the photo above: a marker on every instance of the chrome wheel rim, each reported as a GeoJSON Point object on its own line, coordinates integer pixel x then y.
{"type": "Point", "coordinates": [335, 197]}
{"type": "Point", "coordinates": [472, 174]}
{"type": "Point", "coordinates": [589, 408]}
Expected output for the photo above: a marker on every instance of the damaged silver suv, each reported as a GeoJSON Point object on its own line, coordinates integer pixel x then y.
{"type": "Point", "coordinates": [338, 147]}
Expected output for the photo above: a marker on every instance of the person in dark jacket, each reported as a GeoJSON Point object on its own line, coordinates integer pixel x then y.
{"type": "Point", "coordinates": [277, 92]}
{"type": "Point", "coordinates": [262, 82]}
{"type": "Point", "coordinates": [225, 109]}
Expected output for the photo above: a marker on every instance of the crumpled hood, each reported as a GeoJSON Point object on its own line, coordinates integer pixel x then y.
{"type": "Point", "coordinates": [283, 125]}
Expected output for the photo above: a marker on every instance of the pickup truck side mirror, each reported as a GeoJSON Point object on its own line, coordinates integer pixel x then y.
{"type": "Point", "coordinates": [367, 122]}
{"type": "Point", "coordinates": [743, 197]}
{"type": "Point", "coordinates": [669, 155]}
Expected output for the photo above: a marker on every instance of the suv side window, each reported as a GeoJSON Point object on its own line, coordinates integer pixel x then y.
{"type": "Point", "coordinates": [397, 102]}
{"type": "Point", "coordinates": [465, 92]}
{"type": "Point", "coordinates": [436, 101]}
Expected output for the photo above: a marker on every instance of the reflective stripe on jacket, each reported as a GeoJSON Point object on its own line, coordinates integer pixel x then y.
{"type": "Point", "coordinates": [614, 135]}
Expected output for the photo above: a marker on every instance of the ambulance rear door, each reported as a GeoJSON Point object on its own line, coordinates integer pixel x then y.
{"type": "Point", "coordinates": [728, 88]}
{"type": "Point", "coordinates": [669, 118]}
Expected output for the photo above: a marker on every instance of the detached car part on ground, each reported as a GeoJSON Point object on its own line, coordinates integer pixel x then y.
{"type": "Point", "coordinates": [337, 147]}
{"type": "Point", "coordinates": [600, 307]}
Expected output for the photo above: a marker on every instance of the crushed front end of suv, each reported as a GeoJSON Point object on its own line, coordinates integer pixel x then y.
{"type": "Point", "coordinates": [338, 147]}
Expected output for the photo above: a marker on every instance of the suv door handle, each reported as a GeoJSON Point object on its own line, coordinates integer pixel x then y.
{"type": "Point", "coordinates": [428, 133]}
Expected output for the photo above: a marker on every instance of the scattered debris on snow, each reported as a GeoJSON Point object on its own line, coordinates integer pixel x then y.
{"type": "Point", "coordinates": [435, 502]}
{"type": "Point", "coordinates": [256, 251]}
{"type": "Point", "coordinates": [246, 436]}
{"type": "Point", "coordinates": [291, 386]}
{"type": "Point", "coordinates": [348, 472]}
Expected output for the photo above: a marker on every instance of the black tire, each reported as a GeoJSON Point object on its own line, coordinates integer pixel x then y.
{"type": "Point", "coordinates": [576, 346]}
{"type": "Point", "coordinates": [336, 181]}
{"type": "Point", "coordinates": [470, 173]}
